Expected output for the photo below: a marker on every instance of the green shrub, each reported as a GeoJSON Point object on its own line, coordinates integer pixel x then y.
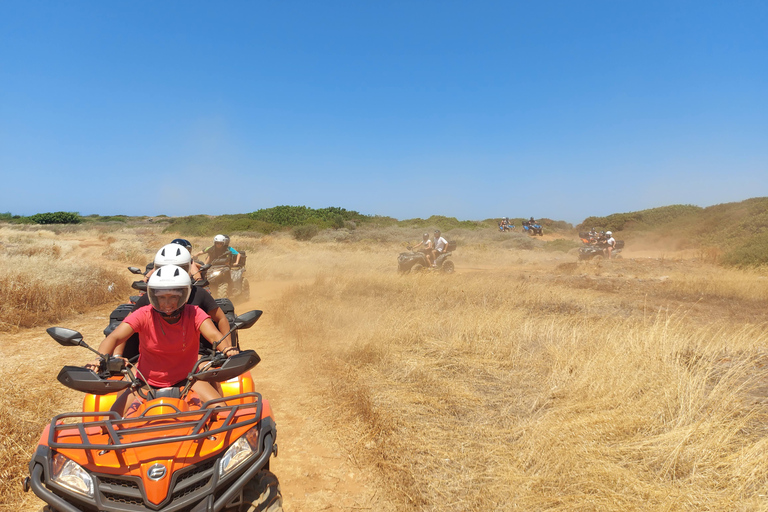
{"type": "Point", "coordinates": [305, 232]}
{"type": "Point", "coordinates": [204, 225]}
{"type": "Point", "coordinates": [287, 216]}
{"type": "Point", "coordinates": [752, 253]}
{"type": "Point", "coordinates": [441, 222]}
{"type": "Point", "coordinates": [56, 218]}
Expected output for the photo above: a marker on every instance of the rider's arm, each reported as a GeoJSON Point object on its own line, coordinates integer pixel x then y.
{"type": "Point", "coordinates": [209, 332]}
{"type": "Point", "coordinates": [221, 322]}
{"type": "Point", "coordinates": [236, 254]}
{"type": "Point", "coordinates": [113, 342]}
{"type": "Point", "coordinates": [194, 271]}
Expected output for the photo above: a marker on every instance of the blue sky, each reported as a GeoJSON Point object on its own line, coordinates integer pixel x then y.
{"type": "Point", "coordinates": [468, 109]}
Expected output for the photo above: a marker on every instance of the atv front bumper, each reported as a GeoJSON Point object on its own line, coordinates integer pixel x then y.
{"type": "Point", "coordinates": [208, 498]}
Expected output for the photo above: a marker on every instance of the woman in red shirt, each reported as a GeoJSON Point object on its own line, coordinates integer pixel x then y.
{"type": "Point", "coordinates": [169, 333]}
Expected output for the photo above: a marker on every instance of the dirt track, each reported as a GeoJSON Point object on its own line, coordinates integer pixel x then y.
{"type": "Point", "coordinates": [315, 472]}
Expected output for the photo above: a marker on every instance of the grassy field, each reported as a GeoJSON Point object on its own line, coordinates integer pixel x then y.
{"type": "Point", "coordinates": [525, 381]}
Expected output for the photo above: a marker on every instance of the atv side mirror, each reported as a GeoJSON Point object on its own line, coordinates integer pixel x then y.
{"type": "Point", "coordinates": [66, 337]}
{"type": "Point", "coordinates": [205, 267]}
{"type": "Point", "coordinates": [139, 285]}
{"type": "Point", "coordinates": [135, 270]}
{"type": "Point", "coordinates": [202, 283]}
{"type": "Point", "coordinates": [246, 320]}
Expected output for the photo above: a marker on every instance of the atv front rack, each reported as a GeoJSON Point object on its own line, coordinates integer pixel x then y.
{"type": "Point", "coordinates": [118, 428]}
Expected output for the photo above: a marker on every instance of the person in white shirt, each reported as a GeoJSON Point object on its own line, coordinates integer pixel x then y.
{"type": "Point", "coordinates": [610, 244]}
{"type": "Point", "coordinates": [441, 246]}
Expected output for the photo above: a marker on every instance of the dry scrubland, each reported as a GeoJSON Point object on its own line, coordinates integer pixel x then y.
{"type": "Point", "coordinates": [525, 381]}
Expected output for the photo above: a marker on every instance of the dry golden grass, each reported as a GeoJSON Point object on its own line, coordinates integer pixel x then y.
{"type": "Point", "coordinates": [45, 279]}
{"type": "Point", "coordinates": [526, 381]}
{"type": "Point", "coordinates": [508, 390]}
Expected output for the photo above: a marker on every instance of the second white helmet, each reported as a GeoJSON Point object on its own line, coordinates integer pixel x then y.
{"type": "Point", "coordinates": [219, 238]}
{"type": "Point", "coordinates": [173, 254]}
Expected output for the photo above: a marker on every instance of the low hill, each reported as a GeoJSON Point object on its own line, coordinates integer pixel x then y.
{"type": "Point", "coordinates": [734, 234]}
{"type": "Point", "coordinates": [737, 231]}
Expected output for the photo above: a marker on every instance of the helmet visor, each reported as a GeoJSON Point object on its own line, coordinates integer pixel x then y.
{"type": "Point", "coordinates": [168, 300]}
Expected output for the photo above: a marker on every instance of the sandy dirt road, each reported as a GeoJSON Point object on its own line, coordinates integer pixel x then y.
{"type": "Point", "coordinates": [314, 470]}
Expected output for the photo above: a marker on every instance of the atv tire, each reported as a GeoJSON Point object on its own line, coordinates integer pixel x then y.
{"type": "Point", "coordinates": [417, 268]}
{"type": "Point", "coordinates": [222, 290]}
{"type": "Point", "coordinates": [245, 290]}
{"type": "Point", "coordinates": [598, 258]}
{"type": "Point", "coordinates": [448, 267]}
{"type": "Point", "coordinates": [262, 494]}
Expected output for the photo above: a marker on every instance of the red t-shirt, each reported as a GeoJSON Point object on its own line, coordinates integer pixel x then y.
{"type": "Point", "coordinates": [167, 352]}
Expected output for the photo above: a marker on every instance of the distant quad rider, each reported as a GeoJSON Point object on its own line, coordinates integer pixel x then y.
{"type": "Point", "coordinates": [232, 251]}
{"type": "Point", "coordinates": [610, 244]}
{"type": "Point", "coordinates": [219, 249]}
{"type": "Point", "coordinates": [441, 246]}
{"type": "Point", "coordinates": [426, 247]}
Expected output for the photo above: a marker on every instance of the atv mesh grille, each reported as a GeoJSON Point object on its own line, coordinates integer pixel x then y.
{"type": "Point", "coordinates": [120, 490]}
{"type": "Point", "coordinates": [117, 498]}
{"type": "Point", "coordinates": [202, 468]}
{"type": "Point", "coordinates": [116, 482]}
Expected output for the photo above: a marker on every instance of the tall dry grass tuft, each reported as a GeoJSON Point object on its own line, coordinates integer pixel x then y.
{"type": "Point", "coordinates": [45, 278]}
{"type": "Point", "coordinates": [29, 402]}
{"type": "Point", "coordinates": [497, 391]}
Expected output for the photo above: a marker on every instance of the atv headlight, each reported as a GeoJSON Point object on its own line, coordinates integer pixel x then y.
{"type": "Point", "coordinates": [239, 451]}
{"type": "Point", "coordinates": [214, 273]}
{"type": "Point", "coordinates": [71, 475]}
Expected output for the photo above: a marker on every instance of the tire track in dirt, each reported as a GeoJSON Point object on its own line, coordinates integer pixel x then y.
{"type": "Point", "coordinates": [315, 472]}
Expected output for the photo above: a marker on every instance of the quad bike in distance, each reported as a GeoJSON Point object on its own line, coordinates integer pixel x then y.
{"type": "Point", "coordinates": [226, 280]}
{"type": "Point", "coordinates": [504, 225]}
{"type": "Point", "coordinates": [533, 228]}
{"type": "Point", "coordinates": [172, 453]}
{"type": "Point", "coordinates": [415, 262]}
{"type": "Point", "coordinates": [593, 248]}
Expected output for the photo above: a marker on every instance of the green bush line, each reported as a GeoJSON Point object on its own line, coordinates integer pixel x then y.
{"type": "Point", "coordinates": [738, 230]}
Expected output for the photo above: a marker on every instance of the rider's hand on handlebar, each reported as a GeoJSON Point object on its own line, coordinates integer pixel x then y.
{"type": "Point", "coordinates": [110, 364]}
{"type": "Point", "coordinates": [95, 366]}
{"type": "Point", "coordinates": [230, 351]}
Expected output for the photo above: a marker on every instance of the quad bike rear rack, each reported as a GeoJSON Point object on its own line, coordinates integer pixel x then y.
{"type": "Point", "coordinates": [240, 415]}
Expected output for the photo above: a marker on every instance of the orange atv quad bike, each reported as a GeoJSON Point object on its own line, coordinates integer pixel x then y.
{"type": "Point", "coordinates": [172, 453]}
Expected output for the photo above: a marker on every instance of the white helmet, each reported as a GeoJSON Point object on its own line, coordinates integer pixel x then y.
{"type": "Point", "coordinates": [166, 283]}
{"type": "Point", "coordinates": [609, 233]}
{"type": "Point", "coordinates": [220, 238]}
{"type": "Point", "coordinates": [173, 254]}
